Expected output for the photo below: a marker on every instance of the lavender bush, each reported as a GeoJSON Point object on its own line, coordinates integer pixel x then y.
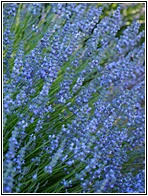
{"type": "Point", "coordinates": [73, 99]}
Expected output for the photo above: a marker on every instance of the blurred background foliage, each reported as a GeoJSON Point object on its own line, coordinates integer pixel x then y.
{"type": "Point", "coordinates": [130, 11]}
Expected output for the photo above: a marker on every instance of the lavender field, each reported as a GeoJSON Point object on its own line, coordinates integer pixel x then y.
{"type": "Point", "coordinates": [73, 98]}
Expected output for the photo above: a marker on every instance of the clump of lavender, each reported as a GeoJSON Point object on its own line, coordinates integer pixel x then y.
{"type": "Point", "coordinates": [73, 99]}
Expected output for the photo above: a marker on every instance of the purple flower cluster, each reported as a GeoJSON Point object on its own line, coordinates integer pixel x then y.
{"type": "Point", "coordinates": [74, 105]}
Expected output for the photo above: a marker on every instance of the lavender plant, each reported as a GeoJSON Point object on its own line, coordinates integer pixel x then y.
{"type": "Point", "coordinates": [73, 99]}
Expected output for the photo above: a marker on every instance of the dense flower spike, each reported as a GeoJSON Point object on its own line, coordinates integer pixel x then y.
{"type": "Point", "coordinates": [73, 99]}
